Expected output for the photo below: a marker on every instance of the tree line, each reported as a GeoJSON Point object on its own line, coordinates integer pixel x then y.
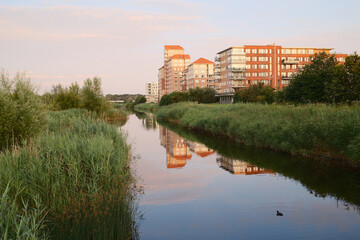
{"type": "Point", "coordinates": [200, 95]}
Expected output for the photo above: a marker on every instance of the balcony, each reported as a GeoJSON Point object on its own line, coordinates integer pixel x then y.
{"type": "Point", "coordinates": [291, 62]}
{"type": "Point", "coordinates": [235, 78]}
{"type": "Point", "coordinates": [287, 77]}
{"type": "Point", "coordinates": [217, 59]}
{"type": "Point", "coordinates": [237, 69]}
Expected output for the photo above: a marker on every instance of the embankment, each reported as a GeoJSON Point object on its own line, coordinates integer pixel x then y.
{"type": "Point", "coordinates": [319, 131]}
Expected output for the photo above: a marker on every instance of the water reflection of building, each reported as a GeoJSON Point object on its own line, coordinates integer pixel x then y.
{"type": "Point", "coordinates": [179, 150]}
{"type": "Point", "coordinates": [200, 149]}
{"type": "Point", "coordinates": [149, 121]}
{"type": "Point", "coordinates": [238, 167]}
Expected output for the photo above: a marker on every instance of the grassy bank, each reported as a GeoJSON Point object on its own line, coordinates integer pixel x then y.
{"type": "Point", "coordinates": [310, 130]}
{"type": "Point", "coordinates": [71, 182]}
{"type": "Point", "coordinates": [147, 107]}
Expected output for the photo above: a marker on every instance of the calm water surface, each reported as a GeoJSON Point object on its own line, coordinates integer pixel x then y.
{"type": "Point", "coordinates": [201, 187]}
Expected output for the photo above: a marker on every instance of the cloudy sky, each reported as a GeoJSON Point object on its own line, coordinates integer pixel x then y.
{"type": "Point", "coordinates": [121, 41]}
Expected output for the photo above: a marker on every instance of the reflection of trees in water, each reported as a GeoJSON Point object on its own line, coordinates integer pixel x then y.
{"type": "Point", "coordinates": [118, 122]}
{"type": "Point", "coordinates": [320, 179]}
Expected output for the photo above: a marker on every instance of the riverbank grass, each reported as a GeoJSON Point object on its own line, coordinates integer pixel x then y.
{"type": "Point", "coordinates": [147, 107]}
{"type": "Point", "coordinates": [75, 176]}
{"type": "Point", "coordinates": [308, 130]}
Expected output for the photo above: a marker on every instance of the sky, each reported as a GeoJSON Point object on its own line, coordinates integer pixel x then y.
{"type": "Point", "coordinates": [122, 41]}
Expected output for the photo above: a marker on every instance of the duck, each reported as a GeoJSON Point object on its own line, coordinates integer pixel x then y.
{"type": "Point", "coordinates": [279, 213]}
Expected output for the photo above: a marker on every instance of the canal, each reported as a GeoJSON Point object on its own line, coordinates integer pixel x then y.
{"type": "Point", "coordinates": [198, 186]}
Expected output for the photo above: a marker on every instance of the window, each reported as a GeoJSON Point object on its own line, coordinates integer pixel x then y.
{"type": "Point", "coordinates": [254, 51]}
{"type": "Point", "coordinates": [254, 59]}
{"type": "Point", "coordinates": [254, 74]}
{"type": "Point", "coordinates": [247, 66]}
{"type": "Point", "coordinates": [247, 50]}
{"type": "Point", "coordinates": [254, 66]}
{"type": "Point", "coordinates": [247, 58]}
{"type": "Point", "coordinates": [293, 51]}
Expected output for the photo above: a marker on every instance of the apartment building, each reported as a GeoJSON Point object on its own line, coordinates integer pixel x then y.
{"type": "Point", "coordinates": [161, 83]}
{"type": "Point", "coordinates": [151, 92]}
{"type": "Point", "coordinates": [175, 67]}
{"type": "Point", "coordinates": [163, 80]}
{"type": "Point", "coordinates": [272, 65]}
{"type": "Point", "coordinates": [199, 74]}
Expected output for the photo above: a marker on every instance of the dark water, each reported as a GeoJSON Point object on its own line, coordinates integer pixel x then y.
{"type": "Point", "coordinates": [201, 187]}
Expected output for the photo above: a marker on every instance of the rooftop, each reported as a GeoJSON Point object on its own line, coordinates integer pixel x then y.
{"type": "Point", "coordinates": [203, 61]}
{"type": "Point", "coordinates": [174, 47]}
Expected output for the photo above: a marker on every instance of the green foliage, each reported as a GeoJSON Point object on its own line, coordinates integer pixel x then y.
{"type": "Point", "coordinates": [20, 222]}
{"type": "Point", "coordinates": [255, 93]}
{"type": "Point", "coordinates": [140, 99]}
{"type": "Point", "coordinates": [328, 131]}
{"type": "Point", "coordinates": [325, 81]}
{"type": "Point", "coordinates": [66, 98]}
{"type": "Point", "coordinates": [89, 97]}
{"type": "Point", "coordinates": [79, 170]}
{"type": "Point", "coordinates": [147, 107]}
{"type": "Point", "coordinates": [22, 112]}
{"type": "Point", "coordinates": [200, 95]}
{"type": "Point", "coordinates": [92, 98]}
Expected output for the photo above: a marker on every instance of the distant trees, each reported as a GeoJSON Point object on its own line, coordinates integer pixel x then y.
{"type": "Point", "coordinates": [255, 93]}
{"type": "Point", "coordinates": [200, 95]}
{"type": "Point", "coordinates": [324, 80]}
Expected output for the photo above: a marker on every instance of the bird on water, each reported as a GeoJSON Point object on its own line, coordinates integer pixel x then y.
{"type": "Point", "coordinates": [279, 213]}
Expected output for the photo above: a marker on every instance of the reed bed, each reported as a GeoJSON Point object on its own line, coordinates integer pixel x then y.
{"type": "Point", "coordinates": [77, 174]}
{"type": "Point", "coordinates": [310, 130]}
{"type": "Point", "coordinates": [147, 107]}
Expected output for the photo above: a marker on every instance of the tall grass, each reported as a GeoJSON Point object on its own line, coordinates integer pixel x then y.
{"type": "Point", "coordinates": [79, 169]}
{"type": "Point", "coordinates": [316, 130]}
{"type": "Point", "coordinates": [147, 107]}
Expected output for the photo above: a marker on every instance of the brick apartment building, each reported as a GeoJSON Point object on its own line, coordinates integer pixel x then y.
{"type": "Point", "coordinates": [275, 66]}
{"type": "Point", "coordinates": [199, 74]}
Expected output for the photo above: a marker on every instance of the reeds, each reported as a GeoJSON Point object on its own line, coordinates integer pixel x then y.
{"type": "Point", "coordinates": [71, 168]}
{"type": "Point", "coordinates": [147, 107]}
{"type": "Point", "coordinates": [311, 130]}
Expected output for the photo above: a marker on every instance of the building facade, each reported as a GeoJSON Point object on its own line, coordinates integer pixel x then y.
{"type": "Point", "coordinates": [272, 65]}
{"type": "Point", "coordinates": [151, 92]}
{"type": "Point", "coordinates": [199, 74]}
{"type": "Point", "coordinates": [175, 67]}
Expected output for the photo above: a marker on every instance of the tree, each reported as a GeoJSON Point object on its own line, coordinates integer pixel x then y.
{"type": "Point", "coordinates": [140, 99]}
{"type": "Point", "coordinates": [313, 83]}
{"type": "Point", "coordinates": [255, 93]}
{"type": "Point", "coordinates": [22, 111]}
{"type": "Point", "coordinates": [92, 98]}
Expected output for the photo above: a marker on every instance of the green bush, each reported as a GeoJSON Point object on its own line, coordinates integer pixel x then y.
{"type": "Point", "coordinates": [255, 93]}
{"type": "Point", "coordinates": [22, 112]}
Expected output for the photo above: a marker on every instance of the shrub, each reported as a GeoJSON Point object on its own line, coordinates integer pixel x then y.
{"type": "Point", "coordinates": [22, 112]}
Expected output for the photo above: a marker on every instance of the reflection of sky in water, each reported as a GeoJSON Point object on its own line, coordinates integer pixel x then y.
{"type": "Point", "coordinates": [203, 201]}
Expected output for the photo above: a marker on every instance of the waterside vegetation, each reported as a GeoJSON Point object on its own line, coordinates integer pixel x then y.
{"type": "Point", "coordinates": [147, 107]}
{"type": "Point", "coordinates": [68, 175]}
{"type": "Point", "coordinates": [331, 132]}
